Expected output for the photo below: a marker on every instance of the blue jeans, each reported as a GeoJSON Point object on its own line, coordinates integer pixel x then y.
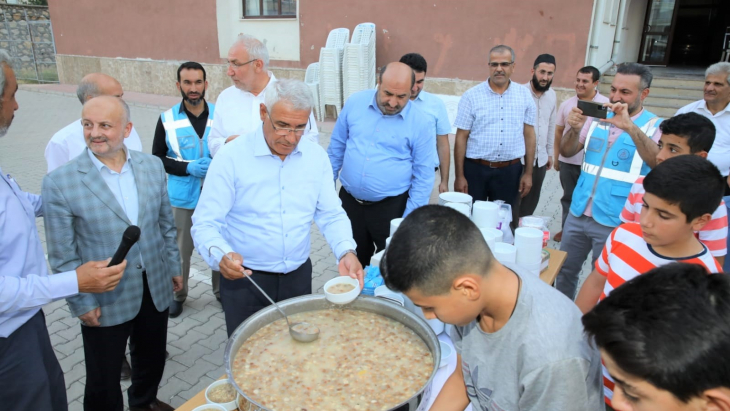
{"type": "Point", "coordinates": [726, 266]}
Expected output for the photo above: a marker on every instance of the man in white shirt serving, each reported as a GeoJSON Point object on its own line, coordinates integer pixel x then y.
{"type": "Point", "coordinates": [260, 196]}
{"type": "Point", "coordinates": [237, 107]}
{"type": "Point", "coordinates": [69, 142]}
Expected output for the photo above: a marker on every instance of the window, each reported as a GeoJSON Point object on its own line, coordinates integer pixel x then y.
{"type": "Point", "coordinates": [269, 8]}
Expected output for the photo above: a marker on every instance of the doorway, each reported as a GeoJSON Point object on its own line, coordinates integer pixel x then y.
{"type": "Point", "coordinates": [684, 32]}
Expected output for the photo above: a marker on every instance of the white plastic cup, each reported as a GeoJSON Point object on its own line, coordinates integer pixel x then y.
{"type": "Point", "coordinates": [387, 242]}
{"type": "Point", "coordinates": [528, 242]}
{"type": "Point", "coordinates": [505, 253]}
{"type": "Point", "coordinates": [490, 237]}
{"type": "Point", "coordinates": [485, 214]}
{"type": "Point", "coordinates": [460, 207]}
{"type": "Point", "coordinates": [394, 223]}
{"type": "Point", "coordinates": [455, 197]}
{"type": "Point", "coordinates": [492, 232]}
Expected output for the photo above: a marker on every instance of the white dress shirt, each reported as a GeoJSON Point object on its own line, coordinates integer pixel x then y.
{"type": "Point", "coordinates": [544, 123]}
{"type": "Point", "coordinates": [237, 112]}
{"type": "Point", "coordinates": [719, 155]}
{"type": "Point", "coordinates": [261, 207]}
{"type": "Point", "coordinates": [69, 142]}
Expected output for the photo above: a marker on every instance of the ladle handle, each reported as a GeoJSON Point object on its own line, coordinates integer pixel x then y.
{"type": "Point", "coordinates": [255, 285]}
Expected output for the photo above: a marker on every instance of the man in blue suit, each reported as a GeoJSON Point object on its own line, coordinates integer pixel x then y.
{"type": "Point", "coordinates": [88, 204]}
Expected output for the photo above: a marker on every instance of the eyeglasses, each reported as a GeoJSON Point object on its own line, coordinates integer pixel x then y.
{"type": "Point", "coordinates": [501, 64]}
{"type": "Point", "coordinates": [230, 63]}
{"type": "Point", "coordinates": [281, 131]}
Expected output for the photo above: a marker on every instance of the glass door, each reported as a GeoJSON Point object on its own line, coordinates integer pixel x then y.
{"type": "Point", "coordinates": [656, 40]}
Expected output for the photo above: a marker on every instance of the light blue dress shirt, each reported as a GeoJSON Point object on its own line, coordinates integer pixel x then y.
{"type": "Point", "coordinates": [122, 185]}
{"type": "Point", "coordinates": [434, 107]}
{"type": "Point", "coordinates": [378, 156]}
{"type": "Point", "coordinates": [261, 207]}
{"type": "Point", "coordinates": [25, 285]}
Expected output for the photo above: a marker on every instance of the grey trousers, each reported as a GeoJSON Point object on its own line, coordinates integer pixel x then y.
{"type": "Point", "coordinates": [184, 222]}
{"type": "Point", "coordinates": [581, 235]}
{"type": "Point", "coordinates": [569, 174]}
{"type": "Point", "coordinates": [30, 376]}
{"type": "Point", "coordinates": [528, 204]}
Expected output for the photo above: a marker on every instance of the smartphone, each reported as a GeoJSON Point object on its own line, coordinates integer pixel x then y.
{"type": "Point", "coordinates": [591, 109]}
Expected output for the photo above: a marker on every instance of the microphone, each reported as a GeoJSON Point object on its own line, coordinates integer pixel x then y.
{"type": "Point", "coordinates": [130, 236]}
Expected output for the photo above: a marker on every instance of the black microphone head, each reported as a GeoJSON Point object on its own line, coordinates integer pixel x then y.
{"type": "Point", "coordinates": [131, 233]}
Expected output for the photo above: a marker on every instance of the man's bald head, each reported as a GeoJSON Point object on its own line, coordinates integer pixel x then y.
{"type": "Point", "coordinates": [98, 84]}
{"type": "Point", "coordinates": [394, 90]}
{"type": "Point", "coordinates": [106, 123]}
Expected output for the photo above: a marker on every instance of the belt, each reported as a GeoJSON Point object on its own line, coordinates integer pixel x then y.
{"type": "Point", "coordinates": [494, 164]}
{"type": "Point", "coordinates": [365, 202]}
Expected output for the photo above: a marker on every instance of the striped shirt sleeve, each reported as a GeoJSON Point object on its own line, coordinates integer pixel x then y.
{"type": "Point", "coordinates": [631, 212]}
{"type": "Point", "coordinates": [714, 233]}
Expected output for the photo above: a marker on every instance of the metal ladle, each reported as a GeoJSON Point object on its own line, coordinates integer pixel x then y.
{"type": "Point", "coordinates": [300, 336]}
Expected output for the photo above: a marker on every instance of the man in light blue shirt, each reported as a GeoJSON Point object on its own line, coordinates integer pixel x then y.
{"type": "Point", "coordinates": [30, 376]}
{"type": "Point", "coordinates": [260, 196]}
{"type": "Point", "coordinates": [435, 107]}
{"type": "Point", "coordinates": [382, 150]}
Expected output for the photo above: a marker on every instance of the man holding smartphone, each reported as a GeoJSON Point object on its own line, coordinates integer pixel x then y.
{"type": "Point", "coordinates": [617, 151]}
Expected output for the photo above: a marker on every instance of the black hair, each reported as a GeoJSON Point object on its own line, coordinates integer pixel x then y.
{"type": "Point", "coordinates": [430, 248]}
{"type": "Point", "coordinates": [697, 129]}
{"type": "Point", "coordinates": [691, 182]}
{"type": "Point", "coordinates": [636, 69]}
{"type": "Point", "coordinates": [415, 61]}
{"type": "Point", "coordinates": [190, 65]}
{"type": "Point", "coordinates": [382, 70]}
{"type": "Point", "coordinates": [595, 74]}
{"type": "Point", "coordinates": [670, 327]}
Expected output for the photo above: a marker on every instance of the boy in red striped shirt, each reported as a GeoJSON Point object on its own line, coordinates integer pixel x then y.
{"type": "Point", "coordinates": [684, 134]}
{"type": "Point", "coordinates": [681, 193]}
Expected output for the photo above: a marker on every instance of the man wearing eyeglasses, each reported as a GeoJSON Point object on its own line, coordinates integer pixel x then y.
{"type": "Point", "coordinates": [237, 107]}
{"type": "Point", "coordinates": [495, 132]}
{"type": "Point", "coordinates": [260, 196]}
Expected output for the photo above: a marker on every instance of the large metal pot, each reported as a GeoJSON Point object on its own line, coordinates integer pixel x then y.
{"type": "Point", "coordinates": [319, 302]}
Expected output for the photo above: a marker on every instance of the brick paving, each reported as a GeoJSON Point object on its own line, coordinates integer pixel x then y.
{"type": "Point", "coordinates": [196, 339]}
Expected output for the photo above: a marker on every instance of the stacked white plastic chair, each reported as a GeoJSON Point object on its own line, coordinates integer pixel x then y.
{"type": "Point", "coordinates": [358, 61]}
{"type": "Point", "coordinates": [311, 78]}
{"type": "Point", "coordinates": [330, 70]}
{"type": "Point", "coordinates": [452, 106]}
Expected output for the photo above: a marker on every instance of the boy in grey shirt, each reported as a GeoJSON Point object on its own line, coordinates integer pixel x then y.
{"type": "Point", "coordinates": [520, 342]}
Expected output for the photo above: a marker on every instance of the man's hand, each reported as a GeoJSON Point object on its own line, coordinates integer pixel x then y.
{"type": "Point", "coordinates": [556, 164]}
{"type": "Point", "coordinates": [96, 277]}
{"type": "Point", "coordinates": [199, 167]}
{"type": "Point", "coordinates": [550, 163]}
{"type": "Point", "coordinates": [525, 184]}
{"type": "Point", "coordinates": [443, 187]}
{"type": "Point", "coordinates": [350, 266]}
{"type": "Point", "coordinates": [621, 117]}
{"type": "Point", "coordinates": [576, 119]}
{"type": "Point", "coordinates": [91, 319]}
{"type": "Point", "coordinates": [231, 138]}
{"type": "Point", "coordinates": [177, 283]}
{"type": "Point", "coordinates": [461, 186]}
{"type": "Point", "coordinates": [231, 266]}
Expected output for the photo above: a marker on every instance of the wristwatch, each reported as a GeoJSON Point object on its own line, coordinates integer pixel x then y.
{"type": "Point", "coordinates": [345, 253]}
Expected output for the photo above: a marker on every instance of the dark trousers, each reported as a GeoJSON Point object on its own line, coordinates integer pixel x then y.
{"type": "Point", "coordinates": [30, 376]}
{"type": "Point", "coordinates": [487, 183]}
{"type": "Point", "coordinates": [569, 174]}
{"type": "Point", "coordinates": [528, 203]}
{"type": "Point", "coordinates": [371, 222]}
{"type": "Point", "coordinates": [241, 299]}
{"type": "Point", "coordinates": [104, 349]}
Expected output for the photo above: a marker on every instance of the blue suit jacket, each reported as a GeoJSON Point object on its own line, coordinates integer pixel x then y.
{"type": "Point", "coordinates": [84, 222]}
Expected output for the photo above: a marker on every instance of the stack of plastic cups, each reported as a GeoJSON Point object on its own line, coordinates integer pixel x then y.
{"type": "Point", "coordinates": [485, 214]}
{"type": "Point", "coordinates": [492, 236]}
{"type": "Point", "coordinates": [505, 253]}
{"type": "Point", "coordinates": [394, 223]}
{"type": "Point", "coordinates": [454, 197]}
{"type": "Point", "coordinates": [460, 207]}
{"type": "Point", "coordinates": [528, 242]}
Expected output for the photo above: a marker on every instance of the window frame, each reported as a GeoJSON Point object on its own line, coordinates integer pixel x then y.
{"type": "Point", "coordinates": [261, 9]}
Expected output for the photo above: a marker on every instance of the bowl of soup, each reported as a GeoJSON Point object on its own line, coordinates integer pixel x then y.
{"type": "Point", "coordinates": [341, 290]}
{"type": "Point", "coordinates": [370, 355]}
{"type": "Point", "coordinates": [222, 393]}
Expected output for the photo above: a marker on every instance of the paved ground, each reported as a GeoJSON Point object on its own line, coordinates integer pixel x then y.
{"type": "Point", "coordinates": [196, 339]}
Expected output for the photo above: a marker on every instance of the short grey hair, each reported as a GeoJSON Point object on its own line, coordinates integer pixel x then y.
{"type": "Point", "coordinates": [636, 69]}
{"type": "Point", "coordinates": [296, 92]}
{"type": "Point", "coordinates": [501, 49]}
{"type": "Point", "coordinates": [5, 59]}
{"type": "Point", "coordinates": [87, 89]}
{"type": "Point", "coordinates": [256, 48]}
{"type": "Point", "coordinates": [719, 68]}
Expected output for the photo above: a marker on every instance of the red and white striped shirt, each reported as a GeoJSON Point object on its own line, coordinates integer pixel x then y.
{"type": "Point", "coordinates": [713, 234]}
{"type": "Point", "coordinates": [625, 256]}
